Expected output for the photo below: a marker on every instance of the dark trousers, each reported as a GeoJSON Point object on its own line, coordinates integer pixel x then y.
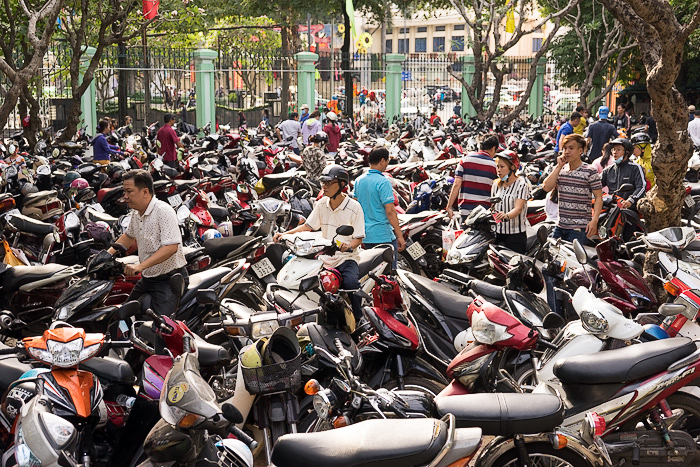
{"type": "Point", "coordinates": [516, 242]}
{"type": "Point", "coordinates": [570, 234]}
{"type": "Point", "coordinates": [350, 272]}
{"type": "Point", "coordinates": [155, 293]}
{"type": "Point", "coordinates": [173, 164]}
{"type": "Point", "coordinates": [393, 243]}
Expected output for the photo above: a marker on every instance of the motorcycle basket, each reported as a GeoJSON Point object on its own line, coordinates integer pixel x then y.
{"type": "Point", "coordinates": [277, 377]}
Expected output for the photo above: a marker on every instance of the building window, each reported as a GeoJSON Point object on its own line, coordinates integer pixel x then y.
{"type": "Point", "coordinates": [388, 46]}
{"type": "Point", "coordinates": [536, 44]}
{"type": "Point", "coordinates": [438, 44]}
{"type": "Point", "coordinates": [403, 46]}
{"type": "Point", "coordinates": [389, 31]}
{"type": "Point", "coordinates": [423, 29]}
{"type": "Point", "coordinates": [421, 44]}
{"type": "Point", "coordinates": [439, 28]}
{"type": "Point", "coordinates": [458, 27]}
{"type": "Point", "coordinates": [403, 31]}
{"type": "Point", "coordinates": [457, 44]}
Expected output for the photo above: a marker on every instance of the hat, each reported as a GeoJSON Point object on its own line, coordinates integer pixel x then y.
{"type": "Point", "coordinates": [305, 106]}
{"type": "Point", "coordinates": [603, 112]}
{"type": "Point", "coordinates": [331, 116]}
{"type": "Point", "coordinates": [691, 108]}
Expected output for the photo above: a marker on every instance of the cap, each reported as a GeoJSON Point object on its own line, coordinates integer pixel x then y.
{"type": "Point", "coordinates": [603, 112]}
{"type": "Point", "coordinates": [331, 116]}
{"type": "Point", "coordinates": [305, 106]}
{"type": "Point", "coordinates": [691, 108]}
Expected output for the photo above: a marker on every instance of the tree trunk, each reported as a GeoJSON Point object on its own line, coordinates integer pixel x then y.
{"type": "Point", "coordinates": [286, 52]}
{"type": "Point", "coordinates": [34, 109]}
{"type": "Point", "coordinates": [345, 65]}
{"type": "Point", "coordinates": [122, 82]}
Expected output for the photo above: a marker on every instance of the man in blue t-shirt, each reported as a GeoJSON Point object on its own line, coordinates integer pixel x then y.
{"type": "Point", "coordinates": [567, 128]}
{"type": "Point", "coordinates": [376, 196]}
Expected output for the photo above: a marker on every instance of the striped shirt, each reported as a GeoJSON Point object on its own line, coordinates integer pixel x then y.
{"type": "Point", "coordinates": [520, 189]}
{"type": "Point", "coordinates": [476, 172]}
{"type": "Point", "coordinates": [575, 192]}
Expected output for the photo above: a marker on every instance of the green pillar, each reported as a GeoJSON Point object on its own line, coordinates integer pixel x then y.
{"type": "Point", "coordinates": [204, 87]}
{"type": "Point", "coordinates": [394, 68]}
{"type": "Point", "coordinates": [536, 102]}
{"type": "Point", "coordinates": [468, 74]}
{"type": "Point", "coordinates": [88, 101]}
{"type": "Point", "coordinates": [306, 79]}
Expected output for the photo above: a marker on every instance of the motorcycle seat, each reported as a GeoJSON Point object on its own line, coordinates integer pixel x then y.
{"type": "Point", "coordinates": [370, 259]}
{"type": "Point", "coordinates": [17, 276]}
{"type": "Point", "coordinates": [30, 225]}
{"type": "Point", "coordinates": [406, 218]}
{"type": "Point", "coordinates": [219, 248]}
{"type": "Point", "coordinates": [203, 280]}
{"type": "Point", "coordinates": [486, 290]}
{"type": "Point", "coordinates": [161, 184]}
{"type": "Point", "coordinates": [372, 443]}
{"type": "Point", "coordinates": [192, 252]}
{"type": "Point", "coordinates": [625, 364]}
{"type": "Point", "coordinates": [110, 368]}
{"type": "Point", "coordinates": [506, 253]}
{"type": "Point", "coordinates": [218, 212]}
{"type": "Point", "coordinates": [447, 300]}
{"type": "Point", "coordinates": [211, 354]}
{"type": "Point", "coordinates": [95, 216]}
{"type": "Point", "coordinates": [504, 414]}
{"type": "Point", "coordinates": [275, 180]}
{"type": "Point", "coordinates": [185, 182]}
{"type": "Point", "coordinates": [39, 194]}
{"type": "Point", "coordinates": [284, 299]}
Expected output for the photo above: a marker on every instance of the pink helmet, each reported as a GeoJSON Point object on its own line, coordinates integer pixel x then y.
{"type": "Point", "coordinates": [79, 183]}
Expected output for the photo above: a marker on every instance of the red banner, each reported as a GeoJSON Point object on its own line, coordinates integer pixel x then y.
{"type": "Point", "coordinates": [150, 8]}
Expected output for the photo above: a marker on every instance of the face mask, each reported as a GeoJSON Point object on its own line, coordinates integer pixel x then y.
{"type": "Point", "coordinates": [617, 161]}
{"type": "Point", "coordinates": [505, 179]}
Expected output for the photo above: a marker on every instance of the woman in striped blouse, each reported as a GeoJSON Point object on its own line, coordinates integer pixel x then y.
{"type": "Point", "coordinates": [511, 211]}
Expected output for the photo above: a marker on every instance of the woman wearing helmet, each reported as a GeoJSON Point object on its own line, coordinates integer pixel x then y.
{"type": "Point", "coordinates": [624, 171]}
{"type": "Point", "coordinates": [642, 150]}
{"type": "Point", "coordinates": [335, 210]}
{"type": "Point", "coordinates": [313, 159]}
{"type": "Point", "coordinates": [511, 211]}
{"type": "Point", "coordinates": [332, 129]}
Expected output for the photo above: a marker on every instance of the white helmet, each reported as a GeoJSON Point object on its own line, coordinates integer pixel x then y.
{"type": "Point", "coordinates": [463, 339]}
{"type": "Point", "coordinates": [331, 116]}
{"type": "Point", "coordinates": [226, 229]}
{"type": "Point", "coordinates": [209, 234]}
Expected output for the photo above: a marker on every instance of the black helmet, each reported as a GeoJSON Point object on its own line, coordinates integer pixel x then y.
{"type": "Point", "coordinates": [320, 137]}
{"type": "Point", "coordinates": [641, 138]}
{"type": "Point", "coordinates": [334, 172]}
{"type": "Point", "coordinates": [69, 177]}
{"type": "Point", "coordinates": [627, 144]}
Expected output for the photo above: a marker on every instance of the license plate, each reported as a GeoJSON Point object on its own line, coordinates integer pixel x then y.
{"type": "Point", "coordinates": [689, 201]}
{"type": "Point", "coordinates": [415, 250]}
{"type": "Point", "coordinates": [263, 268]}
{"type": "Point", "coordinates": [175, 200]}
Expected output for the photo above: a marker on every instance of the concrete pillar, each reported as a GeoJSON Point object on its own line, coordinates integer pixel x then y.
{"type": "Point", "coordinates": [394, 68]}
{"type": "Point", "coordinates": [88, 101]}
{"type": "Point", "coordinates": [306, 79]}
{"type": "Point", "coordinates": [536, 102]}
{"type": "Point", "coordinates": [468, 75]}
{"type": "Point", "coordinates": [204, 87]}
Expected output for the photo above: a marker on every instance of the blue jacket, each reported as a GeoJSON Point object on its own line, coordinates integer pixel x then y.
{"type": "Point", "coordinates": [102, 149]}
{"type": "Point", "coordinates": [565, 129]}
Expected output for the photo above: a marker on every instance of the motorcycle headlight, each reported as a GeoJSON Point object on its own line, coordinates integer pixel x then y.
{"type": "Point", "coordinates": [594, 322]}
{"type": "Point", "coordinates": [323, 403]}
{"type": "Point", "coordinates": [486, 331]}
{"type": "Point", "coordinates": [60, 432]}
{"type": "Point", "coordinates": [263, 328]}
{"type": "Point", "coordinates": [178, 417]}
{"type": "Point", "coordinates": [65, 354]}
{"type": "Point", "coordinates": [25, 457]}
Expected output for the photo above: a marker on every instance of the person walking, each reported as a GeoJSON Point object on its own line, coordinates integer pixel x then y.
{"type": "Point", "coordinates": [567, 128]}
{"type": "Point", "coordinates": [583, 123]}
{"type": "Point", "coordinates": [311, 126]}
{"type": "Point", "coordinates": [599, 133]}
{"type": "Point", "coordinates": [155, 230]}
{"type": "Point", "coordinates": [290, 128]}
{"type": "Point", "coordinates": [101, 149]}
{"type": "Point", "coordinates": [622, 120]}
{"type": "Point", "coordinates": [376, 196]}
{"type": "Point", "coordinates": [694, 129]}
{"type": "Point", "coordinates": [304, 113]}
{"type": "Point", "coordinates": [332, 129]}
{"type": "Point", "coordinates": [511, 211]}
{"type": "Point", "coordinates": [168, 141]}
{"type": "Point", "coordinates": [474, 176]}
{"type": "Point", "coordinates": [576, 182]}
{"type": "Point", "coordinates": [313, 158]}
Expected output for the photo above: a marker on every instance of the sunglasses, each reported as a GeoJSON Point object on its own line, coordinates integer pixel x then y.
{"type": "Point", "coordinates": [328, 183]}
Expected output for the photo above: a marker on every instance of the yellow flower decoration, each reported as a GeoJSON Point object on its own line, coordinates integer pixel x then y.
{"type": "Point", "coordinates": [366, 40]}
{"type": "Point", "coordinates": [361, 50]}
{"type": "Point", "coordinates": [341, 28]}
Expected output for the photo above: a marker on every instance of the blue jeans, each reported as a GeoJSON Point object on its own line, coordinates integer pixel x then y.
{"type": "Point", "coordinates": [570, 234]}
{"type": "Point", "coordinates": [350, 272]}
{"type": "Point", "coordinates": [393, 243]}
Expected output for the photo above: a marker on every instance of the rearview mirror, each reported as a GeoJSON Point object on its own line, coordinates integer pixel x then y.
{"type": "Point", "coordinates": [177, 285]}
{"type": "Point", "coordinates": [128, 309]}
{"type": "Point", "coordinates": [552, 321]}
{"type": "Point", "coordinates": [307, 284]}
{"type": "Point", "coordinates": [206, 297]}
{"type": "Point", "coordinates": [388, 255]}
{"type": "Point", "coordinates": [542, 234]}
{"type": "Point", "coordinates": [581, 255]}
{"type": "Point", "coordinates": [671, 309]}
{"type": "Point", "coordinates": [345, 230]}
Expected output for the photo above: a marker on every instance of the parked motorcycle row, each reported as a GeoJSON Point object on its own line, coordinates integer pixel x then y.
{"type": "Point", "coordinates": [468, 353]}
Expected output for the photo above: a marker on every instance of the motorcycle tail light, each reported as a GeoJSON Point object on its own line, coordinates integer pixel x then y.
{"type": "Point", "coordinates": [7, 204]}
{"type": "Point", "coordinates": [50, 206]}
{"type": "Point", "coordinates": [259, 253]}
{"type": "Point", "coordinates": [595, 424]}
{"type": "Point", "coordinates": [201, 263]}
{"type": "Point", "coordinates": [672, 288]}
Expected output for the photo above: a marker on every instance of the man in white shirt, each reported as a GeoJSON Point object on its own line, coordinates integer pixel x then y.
{"type": "Point", "coordinates": [334, 210]}
{"type": "Point", "coordinates": [290, 127]}
{"type": "Point", "coordinates": [694, 129]}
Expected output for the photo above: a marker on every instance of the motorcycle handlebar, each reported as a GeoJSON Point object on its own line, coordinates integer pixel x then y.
{"type": "Point", "coordinates": [243, 436]}
{"type": "Point", "coordinates": [9, 351]}
{"type": "Point", "coordinates": [159, 321]}
{"type": "Point", "coordinates": [547, 344]}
